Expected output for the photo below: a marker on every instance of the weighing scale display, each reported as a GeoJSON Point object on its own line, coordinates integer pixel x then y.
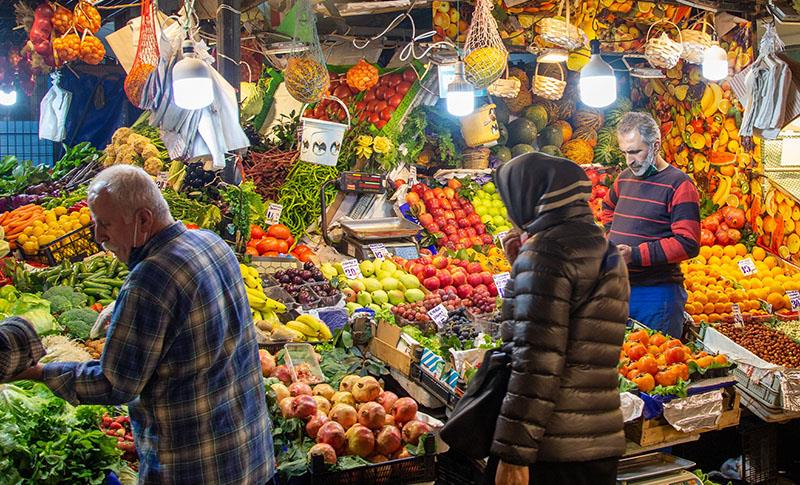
{"type": "Point", "coordinates": [361, 182]}
{"type": "Point", "coordinates": [405, 252]}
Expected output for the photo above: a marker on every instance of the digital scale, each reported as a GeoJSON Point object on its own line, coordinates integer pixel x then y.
{"type": "Point", "coordinates": [396, 234]}
{"type": "Point", "coordinates": [656, 469]}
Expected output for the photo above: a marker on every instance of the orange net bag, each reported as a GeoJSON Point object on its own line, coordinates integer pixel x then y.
{"type": "Point", "coordinates": [146, 55]}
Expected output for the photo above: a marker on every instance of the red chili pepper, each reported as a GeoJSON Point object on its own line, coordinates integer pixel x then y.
{"type": "Point", "coordinates": [98, 307]}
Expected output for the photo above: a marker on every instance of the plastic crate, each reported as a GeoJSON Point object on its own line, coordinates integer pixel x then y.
{"type": "Point", "coordinates": [767, 391]}
{"type": "Point", "coordinates": [325, 301]}
{"type": "Point", "coordinates": [405, 470]}
{"type": "Point", "coordinates": [759, 451]}
{"type": "Point", "coordinates": [435, 386]}
{"type": "Point", "coordinates": [453, 469]}
{"type": "Point", "coordinates": [73, 246]}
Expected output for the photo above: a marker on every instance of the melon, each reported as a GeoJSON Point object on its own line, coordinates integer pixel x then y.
{"type": "Point", "coordinates": [587, 119]}
{"type": "Point", "coordinates": [579, 151]}
{"type": "Point", "coordinates": [551, 135]}
{"type": "Point", "coordinates": [566, 129]}
{"type": "Point", "coordinates": [522, 130]}
{"type": "Point", "coordinates": [537, 114]}
{"type": "Point", "coordinates": [552, 150]}
{"type": "Point", "coordinates": [589, 135]}
{"type": "Point", "coordinates": [503, 134]}
{"type": "Point", "coordinates": [502, 153]}
{"type": "Point", "coordinates": [520, 149]}
{"type": "Point", "coordinates": [501, 111]}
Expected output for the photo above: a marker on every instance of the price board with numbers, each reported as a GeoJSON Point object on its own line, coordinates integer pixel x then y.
{"type": "Point", "coordinates": [351, 269]}
{"type": "Point", "coordinates": [737, 314]}
{"type": "Point", "coordinates": [747, 266]}
{"type": "Point", "coordinates": [438, 314]}
{"type": "Point", "coordinates": [500, 281]}
{"type": "Point", "coordinates": [274, 213]}
{"type": "Point", "coordinates": [379, 250]}
{"type": "Point", "coordinates": [794, 299]}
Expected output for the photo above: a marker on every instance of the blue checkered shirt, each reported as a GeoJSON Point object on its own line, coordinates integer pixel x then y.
{"type": "Point", "coordinates": [181, 351]}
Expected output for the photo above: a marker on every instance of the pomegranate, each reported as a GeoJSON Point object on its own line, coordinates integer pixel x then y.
{"type": "Point", "coordinates": [388, 440]}
{"type": "Point", "coordinates": [324, 390]}
{"type": "Point", "coordinates": [299, 389]}
{"type": "Point", "coordinates": [372, 415]}
{"type": "Point", "coordinates": [360, 441]}
{"type": "Point", "coordinates": [366, 389]}
{"type": "Point", "coordinates": [303, 406]}
{"type": "Point", "coordinates": [267, 362]}
{"type": "Point", "coordinates": [404, 410]}
{"type": "Point", "coordinates": [314, 424]}
{"type": "Point", "coordinates": [286, 407]}
{"type": "Point", "coordinates": [343, 398]}
{"type": "Point", "coordinates": [344, 414]}
{"type": "Point", "coordinates": [347, 383]}
{"type": "Point", "coordinates": [282, 373]}
{"type": "Point", "coordinates": [386, 399]}
{"type": "Point", "coordinates": [412, 430]}
{"type": "Point", "coordinates": [323, 405]}
{"type": "Point", "coordinates": [333, 434]}
{"type": "Point", "coordinates": [281, 392]}
{"type": "Point", "coordinates": [325, 450]}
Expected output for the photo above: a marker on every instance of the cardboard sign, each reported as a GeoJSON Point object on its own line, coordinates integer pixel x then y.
{"type": "Point", "coordinates": [162, 180]}
{"type": "Point", "coordinates": [747, 267]}
{"type": "Point", "coordinates": [794, 299]}
{"type": "Point", "coordinates": [379, 250]}
{"type": "Point", "coordinates": [351, 269]}
{"type": "Point", "coordinates": [438, 314]}
{"type": "Point", "coordinates": [737, 315]}
{"type": "Point", "coordinates": [500, 281]}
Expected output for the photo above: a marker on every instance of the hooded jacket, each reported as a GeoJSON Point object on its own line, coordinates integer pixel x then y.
{"type": "Point", "coordinates": [564, 311]}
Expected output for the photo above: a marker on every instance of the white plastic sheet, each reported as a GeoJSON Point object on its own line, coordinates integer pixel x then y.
{"type": "Point", "coordinates": [53, 111]}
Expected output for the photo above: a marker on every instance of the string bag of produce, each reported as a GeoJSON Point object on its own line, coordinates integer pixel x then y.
{"type": "Point", "coordinates": [146, 55]}
{"type": "Point", "coordinates": [485, 56]}
{"type": "Point", "coordinates": [306, 75]}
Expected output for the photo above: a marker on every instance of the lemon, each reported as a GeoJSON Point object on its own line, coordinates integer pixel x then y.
{"type": "Point", "coordinates": [45, 240]}
{"type": "Point", "coordinates": [63, 218]}
{"type": "Point", "coordinates": [50, 217]}
{"type": "Point", "coordinates": [37, 231]}
{"type": "Point", "coordinates": [84, 219]}
{"type": "Point", "coordinates": [60, 210]}
{"type": "Point", "coordinates": [84, 210]}
{"type": "Point", "coordinates": [76, 225]}
{"type": "Point", "coordinates": [30, 247]}
{"type": "Point", "coordinates": [28, 231]}
{"type": "Point", "coordinates": [22, 239]}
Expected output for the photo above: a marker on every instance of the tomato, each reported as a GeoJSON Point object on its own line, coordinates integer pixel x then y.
{"type": "Point", "coordinates": [487, 238]}
{"type": "Point", "coordinates": [342, 92]}
{"type": "Point", "coordinates": [409, 75]}
{"type": "Point", "coordinates": [370, 95]}
{"type": "Point", "coordinates": [386, 113]}
{"type": "Point", "coordinates": [361, 106]}
{"type": "Point", "coordinates": [279, 231]}
{"type": "Point", "coordinates": [395, 101]}
{"type": "Point", "coordinates": [380, 124]}
{"type": "Point", "coordinates": [474, 219]}
{"type": "Point", "coordinates": [256, 232]}
{"type": "Point", "coordinates": [251, 251]}
{"type": "Point", "coordinates": [374, 118]}
{"type": "Point", "coordinates": [267, 244]}
{"type": "Point", "coordinates": [283, 246]}
{"type": "Point", "coordinates": [378, 106]}
{"type": "Point", "coordinates": [403, 87]}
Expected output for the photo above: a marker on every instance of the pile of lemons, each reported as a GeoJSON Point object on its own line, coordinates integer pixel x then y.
{"type": "Point", "coordinates": [57, 222]}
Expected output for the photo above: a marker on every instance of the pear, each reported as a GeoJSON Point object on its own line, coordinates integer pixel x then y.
{"type": "Point", "coordinates": [367, 268]}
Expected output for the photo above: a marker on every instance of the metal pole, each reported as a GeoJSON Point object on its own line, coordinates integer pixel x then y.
{"type": "Point", "coordinates": [229, 34]}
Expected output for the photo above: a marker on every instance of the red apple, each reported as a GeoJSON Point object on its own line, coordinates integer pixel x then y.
{"type": "Point", "coordinates": [487, 278]}
{"type": "Point", "coordinates": [439, 261]}
{"type": "Point", "coordinates": [430, 270]}
{"type": "Point", "coordinates": [431, 283]}
{"type": "Point", "coordinates": [481, 288]}
{"type": "Point", "coordinates": [492, 290]}
{"type": "Point", "coordinates": [474, 279]}
{"type": "Point", "coordinates": [474, 268]}
{"type": "Point", "coordinates": [445, 279]}
{"type": "Point", "coordinates": [487, 238]}
{"type": "Point", "coordinates": [450, 289]}
{"type": "Point", "coordinates": [465, 291]}
{"type": "Point", "coordinates": [459, 277]}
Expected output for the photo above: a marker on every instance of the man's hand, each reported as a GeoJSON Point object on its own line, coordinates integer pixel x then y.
{"type": "Point", "coordinates": [30, 374]}
{"type": "Point", "coordinates": [508, 474]}
{"type": "Point", "coordinates": [626, 251]}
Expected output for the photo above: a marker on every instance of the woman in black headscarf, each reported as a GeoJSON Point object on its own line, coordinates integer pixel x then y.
{"type": "Point", "coordinates": [565, 311]}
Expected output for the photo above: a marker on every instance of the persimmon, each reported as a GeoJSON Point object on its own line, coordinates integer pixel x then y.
{"type": "Point", "coordinates": [645, 382]}
{"type": "Point", "coordinates": [647, 364]}
{"type": "Point", "coordinates": [721, 359]}
{"type": "Point", "coordinates": [666, 378]}
{"type": "Point", "coordinates": [675, 355]}
{"type": "Point", "coordinates": [636, 351]}
{"type": "Point", "coordinates": [706, 361]}
{"type": "Point", "coordinates": [682, 370]}
{"type": "Point", "coordinates": [640, 336]}
{"type": "Point", "coordinates": [657, 339]}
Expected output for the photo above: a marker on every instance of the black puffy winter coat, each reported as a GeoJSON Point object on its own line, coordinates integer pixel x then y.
{"type": "Point", "coordinates": [565, 310]}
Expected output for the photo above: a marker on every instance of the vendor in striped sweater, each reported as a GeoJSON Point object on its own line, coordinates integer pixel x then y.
{"type": "Point", "coordinates": [652, 213]}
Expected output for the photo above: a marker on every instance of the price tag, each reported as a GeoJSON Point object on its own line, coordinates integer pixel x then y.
{"type": "Point", "coordinates": [737, 315]}
{"type": "Point", "coordinates": [500, 281]}
{"type": "Point", "coordinates": [351, 269]}
{"type": "Point", "coordinates": [379, 250]}
{"type": "Point", "coordinates": [500, 237]}
{"type": "Point", "coordinates": [438, 314]}
{"type": "Point", "coordinates": [161, 180]}
{"type": "Point", "coordinates": [274, 213]}
{"type": "Point", "coordinates": [412, 176]}
{"type": "Point", "coordinates": [794, 299]}
{"type": "Point", "coordinates": [747, 267]}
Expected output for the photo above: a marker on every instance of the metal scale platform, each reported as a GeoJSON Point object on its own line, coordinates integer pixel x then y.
{"type": "Point", "coordinates": [656, 469]}
{"type": "Point", "coordinates": [396, 234]}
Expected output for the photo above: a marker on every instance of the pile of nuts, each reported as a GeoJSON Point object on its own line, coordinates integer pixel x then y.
{"type": "Point", "coordinates": [772, 346]}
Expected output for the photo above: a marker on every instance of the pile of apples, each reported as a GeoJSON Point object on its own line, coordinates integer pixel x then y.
{"type": "Point", "coordinates": [453, 275]}
{"type": "Point", "coordinates": [723, 227]}
{"type": "Point", "coordinates": [359, 418]}
{"type": "Point", "coordinates": [600, 182]}
{"type": "Point", "coordinates": [448, 217]}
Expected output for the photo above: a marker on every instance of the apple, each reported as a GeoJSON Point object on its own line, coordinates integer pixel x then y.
{"type": "Point", "coordinates": [474, 268]}
{"type": "Point", "coordinates": [459, 277]}
{"type": "Point", "coordinates": [474, 279]}
{"type": "Point", "coordinates": [481, 288]}
{"type": "Point", "coordinates": [487, 278]}
{"type": "Point", "coordinates": [450, 289]}
{"type": "Point", "coordinates": [439, 261]}
{"type": "Point", "coordinates": [445, 279]}
{"type": "Point", "coordinates": [431, 283]}
{"type": "Point", "coordinates": [430, 271]}
{"type": "Point", "coordinates": [465, 291]}
{"type": "Point", "coordinates": [493, 290]}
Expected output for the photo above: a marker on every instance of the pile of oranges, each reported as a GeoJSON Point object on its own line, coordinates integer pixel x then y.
{"type": "Point", "coordinates": [714, 282]}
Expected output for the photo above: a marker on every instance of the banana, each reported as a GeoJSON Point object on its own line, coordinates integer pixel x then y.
{"type": "Point", "coordinates": [275, 305]}
{"type": "Point", "coordinates": [251, 282]}
{"type": "Point", "coordinates": [257, 315]}
{"type": "Point", "coordinates": [282, 332]}
{"type": "Point", "coordinates": [302, 328]}
{"type": "Point", "coordinates": [317, 325]}
{"type": "Point", "coordinates": [723, 190]}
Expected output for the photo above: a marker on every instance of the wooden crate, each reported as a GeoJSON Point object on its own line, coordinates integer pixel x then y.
{"type": "Point", "coordinates": [384, 347]}
{"type": "Point", "coordinates": [649, 432]}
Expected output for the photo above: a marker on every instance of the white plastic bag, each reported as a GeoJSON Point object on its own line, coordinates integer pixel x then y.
{"type": "Point", "coordinates": [53, 111]}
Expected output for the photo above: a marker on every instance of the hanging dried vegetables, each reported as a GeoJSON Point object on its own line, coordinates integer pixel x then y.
{"type": "Point", "coordinates": [268, 170]}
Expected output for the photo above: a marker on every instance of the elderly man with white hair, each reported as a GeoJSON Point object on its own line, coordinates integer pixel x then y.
{"type": "Point", "coordinates": [180, 349]}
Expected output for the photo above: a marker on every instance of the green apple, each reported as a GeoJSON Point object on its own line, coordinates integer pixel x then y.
{"type": "Point", "coordinates": [489, 188]}
{"type": "Point", "coordinates": [499, 221]}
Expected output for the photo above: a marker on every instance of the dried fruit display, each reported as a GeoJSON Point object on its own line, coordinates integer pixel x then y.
{"type": "Point", "coordinates": [772, 346]}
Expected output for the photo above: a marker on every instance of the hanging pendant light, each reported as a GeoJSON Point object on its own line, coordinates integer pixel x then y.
{"type": "Point", "coordinates": [460, 94]}
{"type": "Point", "coordinates": [8, 98]}
{"type": "Point", "coordinates": [597, 84]}
{"type": "Point", "coordinates": [715, 63]}
{"type": "Point", "coordinates": [191, 80]}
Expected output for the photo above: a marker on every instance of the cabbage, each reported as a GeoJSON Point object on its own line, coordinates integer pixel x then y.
{"type": "Point", "coordinates": [32, 308]}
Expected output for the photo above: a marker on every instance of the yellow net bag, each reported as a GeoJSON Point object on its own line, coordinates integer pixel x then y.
{"type": "Point", "coordinates": [485, 56]}
{"type": "Point", "coordinates": [306, 75]}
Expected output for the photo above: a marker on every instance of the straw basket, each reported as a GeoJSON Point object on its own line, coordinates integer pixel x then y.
{"type": "Point", "coordinates": [663, 51]}
{"type": "Point", "coordinates": [695, 42]}
{"type": "Point", "coordinates": [549, 87]}
{"type": "Point", "coordinates": [505, 87]}
{"type": "Point", "coordinates": [561, 32]}
{"type": "Point", "coordinates": [475, 158]}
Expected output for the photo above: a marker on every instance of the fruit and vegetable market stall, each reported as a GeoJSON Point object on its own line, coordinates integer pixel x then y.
{"type": "Point", "coordinates": [352, 175]}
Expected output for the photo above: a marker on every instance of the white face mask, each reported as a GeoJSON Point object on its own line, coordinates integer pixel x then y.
{"type": "Point", "coordinates": [114, 249]}
{"type": "Point", "coordinates": [650, 161]}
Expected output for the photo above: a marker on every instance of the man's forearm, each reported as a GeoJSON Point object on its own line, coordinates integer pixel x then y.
{"type": "Point", "coordinates": [82, 383]}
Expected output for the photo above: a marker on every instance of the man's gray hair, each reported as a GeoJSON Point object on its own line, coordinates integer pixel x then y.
{"type": "Point", "coordinates": [129, 189]}
{"type": "Point", "coordinates": [644, 123]}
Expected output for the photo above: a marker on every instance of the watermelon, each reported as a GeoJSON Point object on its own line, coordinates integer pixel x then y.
{"type": "Point", "coordinates": [501, 111]}
{"type": "Point", "coordinates": [502, 153]}
{"type": "Point", "coordinates": [537, 114]}
{"type": "Point", "coordinates": [522, 131]}
{"type": "Point", "coordinates": [503, 134]}
{"type": "Point", "coordinates": [552, 150]}
{"type": "Point", "coordinates": [520, 149]}
{"type": "Point", "coordinates": [551, 135]}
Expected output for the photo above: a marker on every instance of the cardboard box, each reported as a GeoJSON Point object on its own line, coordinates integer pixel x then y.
{"type": "Point", "coordinates": [390, 345]}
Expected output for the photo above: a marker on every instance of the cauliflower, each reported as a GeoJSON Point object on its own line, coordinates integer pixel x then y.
{"type": "Point", "coordinates": [153, 165]}
{"type": "Point", "coordinates": [150, 151]}
{"type": "Point", "coordinates": [125, 155]}
{"type": "Point", "coordinates": [120, 136]}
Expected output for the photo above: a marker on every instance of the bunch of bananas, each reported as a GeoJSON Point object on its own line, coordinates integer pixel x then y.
{"type": "Point", "coordinates": [305, 328]}
{"type": "Point", "coordinates": [263, 307]}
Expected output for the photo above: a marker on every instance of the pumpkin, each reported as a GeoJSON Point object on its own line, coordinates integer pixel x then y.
{"type": "Point", "coordinates": [306, 79]}
{"type": "Point", "coordinates": [362, 76]}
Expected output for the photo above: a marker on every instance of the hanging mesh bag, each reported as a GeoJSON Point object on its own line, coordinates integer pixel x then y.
{"type": "Point", "coordinates": [146, 55]}
{"type": "Point", "coordinates": [306, 75]}
{"type": "Point", "coordinates": [485, 56]}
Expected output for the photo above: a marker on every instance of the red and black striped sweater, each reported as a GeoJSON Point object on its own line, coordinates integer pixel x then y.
{"type": "Point", "coordinates": [659, 217]}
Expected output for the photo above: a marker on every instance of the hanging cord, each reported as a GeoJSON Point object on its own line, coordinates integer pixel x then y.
{"type": "Point", "coordinates": [249, 69]}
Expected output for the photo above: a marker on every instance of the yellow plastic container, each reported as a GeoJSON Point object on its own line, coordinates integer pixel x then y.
{"type": "Point", "coordinates": [480, 128]}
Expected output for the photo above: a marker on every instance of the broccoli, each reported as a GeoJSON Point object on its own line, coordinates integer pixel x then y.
{"type": "Point", "coordinates": [78, 322]}
{"type": "Point", "coordinates": [63, 298]}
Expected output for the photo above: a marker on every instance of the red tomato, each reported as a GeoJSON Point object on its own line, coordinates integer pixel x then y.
{"type": "Point", "coordinates": [370, 95]}
{"type": "Point", "coordinates": [374, 118]}
{"type": "Point", "coordinates": [395, 101]}
{"type": "Point", "coordinates": [361, 106]}
{"type": "Point", "coordinates": [378, 106]}
{"type": "Point", "coordinates": [386, 113]}
{"type": "Point", "coordinates": [342, 92]}
{"type": "Point", "coordinates": [403, 87]}
{"type": "Point", "coordinates": [380, 124]}
{"type": "Point", "coordinates": [409, 75]}
{"type": "Point", "coordinates": [256, 232]}
{"type": "Point", "coordinates": [394, 78]}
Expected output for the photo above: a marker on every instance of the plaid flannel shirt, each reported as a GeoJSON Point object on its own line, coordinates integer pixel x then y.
{"type": "Point", "coordinates": [20, 347]}
{"type": "Point", "coordinates": [181, 351]}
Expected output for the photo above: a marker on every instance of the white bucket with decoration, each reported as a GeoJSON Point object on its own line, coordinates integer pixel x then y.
{"type": "Point", "coordinates": [320, 140]}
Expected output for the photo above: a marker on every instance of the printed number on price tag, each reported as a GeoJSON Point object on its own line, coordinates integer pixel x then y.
{"type": "Point", "coordinates": [794, 299]}
{"type": "Point", "coordinates": [274, 213]}
{"type": "Point", "coordinates": [379, 250]}
{"type": "Point", "coordinates": [412, 177]}
{"type": "Point", "coordinates": [351, 269]}
{"type": "Point", "coordinates": [747, 266]}
{"type": "Point", "coordinates": [438, 314]}
{"type": "Point", "coordinates": [161, 180]}
{"type": "Point", "coordinates": [500, 282]}
{"type": "Point", "coordinates": [737, 315]}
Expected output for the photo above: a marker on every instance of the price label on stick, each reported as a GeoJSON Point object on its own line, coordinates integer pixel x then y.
{"type": "Point", "coordinates": [351, 269]}
{"type": "Point", "coordinates": [162, 179]}
{"type": "Point", "coordinates": [747, 267]}
{"type": "Point", "coordinates": [412, 176]}
{"type": "Point", "coordinates": [737, 315]}
{"type": "Point", "coordinates": [379, 250]}
{"type": "Point", "coordinates": [794, 299]}
{"type": "Point", "coordinates": [500, 282]}
{"type": "Point", "coordinates": [274, 213]}
{"type": "Point", "coordinates": [438, 314]}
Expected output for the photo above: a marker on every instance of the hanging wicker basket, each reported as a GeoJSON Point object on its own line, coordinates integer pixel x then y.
{"type": "Point", "coordinates": [662, 51]}
{"type": "Point", "coordinates": [549, 87]}
{"type": "Point", "coordinates": [505, 87]}
{"type": "Point", "coordinates": [695, 42]}
{"type": "Point", "coordinates": [561, 32]}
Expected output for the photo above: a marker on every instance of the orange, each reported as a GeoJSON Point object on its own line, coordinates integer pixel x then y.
{"type": "Point", "coordinates": [737, 296]}
{"type": "Point", "coordinates": [700, 297]}
{"type": "Point", "coordinates": [708, 308]}
{"type": "Point", "coordinates": [745, 284]}
{"type": "Point", "coordinates": [713, 296]}
{"type": "Point", "coordinates": [771, 262]}
{"type": "Point", "coordinates": [755, 283]}
{"type": "Point", "coordinates": [716, 250]}
{"type": "Point", "coordinates": [705, 252]}
{"type": "Point", "coordinates": [776, 300]}
{"type": "Point", "coordinates": [729, 251]}
{"type": "Point", "coordinates": [777, 270]}
{"type": "Point", "coordinates": [723, 298]}
{"type": "Point", "coordinates": [741, 249]}
{"type": "Point", "coordinates": [722, 307]}
{"type": "Point", "coordinates": [725, 259]}
{"type": "Point", "coordinates": [714, 261]}
{"type": "Point", "coordinates": [703, 317]}
{"type": "Point", "coordinates": [759, 253]}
